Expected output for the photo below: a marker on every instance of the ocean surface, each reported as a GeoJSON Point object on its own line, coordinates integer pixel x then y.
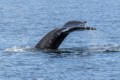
{"type": "Point", "coordinates": [84, 55]}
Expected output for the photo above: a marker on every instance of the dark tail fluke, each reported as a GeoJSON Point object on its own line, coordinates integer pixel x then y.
{"type": "Point", "coordinates": [75, 26]}
{"type": "Point", "coordinates": [89, 28]}
{"type": "Point", "coordinates": [54, 38]}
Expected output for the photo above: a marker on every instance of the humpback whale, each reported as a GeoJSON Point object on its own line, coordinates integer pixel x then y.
{"type": "Point", "coordinates": [54, 38]}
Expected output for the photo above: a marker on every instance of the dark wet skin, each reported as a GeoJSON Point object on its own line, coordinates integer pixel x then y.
{"type": "Point", "coordinates": [54, 38]}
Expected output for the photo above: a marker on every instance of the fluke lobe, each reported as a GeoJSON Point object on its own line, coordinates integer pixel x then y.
{"type": "Point", "coordinates": [54, 38]}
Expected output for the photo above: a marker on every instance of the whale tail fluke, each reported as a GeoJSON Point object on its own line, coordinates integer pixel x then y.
{"type": "Point", "coordinates": [54, 38]}
{"type": "Point", "coordinates": [75, 25]}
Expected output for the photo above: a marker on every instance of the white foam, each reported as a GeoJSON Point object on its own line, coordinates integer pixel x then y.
{"type": "Point", "coordinates": [17, 49]}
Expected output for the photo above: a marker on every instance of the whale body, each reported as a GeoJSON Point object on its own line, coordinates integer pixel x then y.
{"type": "Point", "coordinates": [54, 38]}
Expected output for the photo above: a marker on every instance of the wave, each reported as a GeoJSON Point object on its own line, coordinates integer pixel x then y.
{"type": "Point", "coordinates": [90, 49]}
{"type": "Point", "coordinates": [105, 48]}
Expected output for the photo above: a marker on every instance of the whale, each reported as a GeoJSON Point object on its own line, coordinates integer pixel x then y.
{"type": "Point", "coordinates": [54, 38]}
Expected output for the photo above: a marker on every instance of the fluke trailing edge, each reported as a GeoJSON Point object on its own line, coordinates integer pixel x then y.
{"type": "Point", "coordinates": [54, 38]}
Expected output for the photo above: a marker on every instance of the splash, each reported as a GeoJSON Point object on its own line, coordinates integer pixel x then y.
{"type": "Point", "coordinates": [90, 49]}
{"type": "Point", "coordinates": [105, 48]}
{"type": "Point", "coordinates": [17, 49]}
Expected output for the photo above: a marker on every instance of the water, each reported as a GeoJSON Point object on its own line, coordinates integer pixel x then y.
{"type": "Point", "coordinates": [87, 55]}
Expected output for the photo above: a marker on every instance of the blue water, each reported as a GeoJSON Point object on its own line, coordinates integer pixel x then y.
{"type": "Point", "coordinates": [85, 55]}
